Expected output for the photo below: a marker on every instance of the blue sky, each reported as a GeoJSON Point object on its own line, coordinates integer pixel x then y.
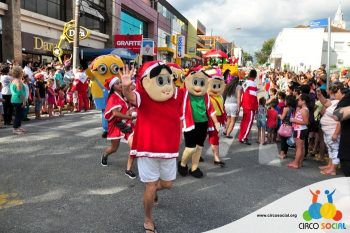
{"type": "Point", "coordinates": [259, 20]}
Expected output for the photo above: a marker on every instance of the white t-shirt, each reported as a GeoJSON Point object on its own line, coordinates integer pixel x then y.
{"type": "Point", "coordinates": [328, 124]}
{"type": "Point", "coordinates": [29, 72]}
{"type": "Point", "coordinates": [6, 81]}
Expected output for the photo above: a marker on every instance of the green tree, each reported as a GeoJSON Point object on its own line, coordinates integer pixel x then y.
{"type": "Point", "coordinates": [263, 55]}
{"type": "Point", "coordinates": [247, 57]}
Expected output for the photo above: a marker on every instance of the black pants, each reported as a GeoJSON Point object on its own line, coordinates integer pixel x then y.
{"type": "Point", "coordinates": [345, 166]}
{"type": "Point", "coordinates": [284, 145]}
{"type": "Point", "coordinates": [197, 135]}
{"type": "Point", "coordinates": [18, 115]}
{"type": "Point", "coordinates": [8, 109]}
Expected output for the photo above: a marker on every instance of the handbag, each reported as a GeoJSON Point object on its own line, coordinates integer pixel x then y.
{"type": "Point", "coordinates": [285, 130]}
{"type": "Point", "coordinates": [123, 127]}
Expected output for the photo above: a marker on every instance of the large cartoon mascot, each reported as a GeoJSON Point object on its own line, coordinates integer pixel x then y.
{"type": "Point", "coordinates": [178, 74]}
{"type": "Point", "coordinates": [216, 88]}
{"type": "Point", "coordinates": [102, 68]}
{"type": "Point", "coordinates": [158, 129]}
{"type": "Point", "coordinates": [199, 117]}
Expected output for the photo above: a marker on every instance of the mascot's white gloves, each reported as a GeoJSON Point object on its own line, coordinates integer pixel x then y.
{"type": "Point", "coordinates": [217, 126]}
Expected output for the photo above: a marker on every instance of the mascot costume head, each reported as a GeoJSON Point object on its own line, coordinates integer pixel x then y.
{"type": "Point", "coordinates": [198, 114]}
{"type": "Point", "coordinates": [178, 74]}
{"type": "Point", "coordinates": [102, 68]}
{"type": "Point", "coordinates": [156, 79]}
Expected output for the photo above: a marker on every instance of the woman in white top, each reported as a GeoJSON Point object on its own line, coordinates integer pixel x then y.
{"type": "Point", "coordinates": [6, 80]}
{"type": "Point", "coordinates": [330, 128]}
{"type": "Point", "coordinates": [232, 96]}
{"type": "Point", "coordinates": [300, 122]}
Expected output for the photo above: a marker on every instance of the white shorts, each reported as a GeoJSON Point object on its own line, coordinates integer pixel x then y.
{"type": "Point", "coordinates": [152, 169]}
{"type": "Point", "coordinates": [231, 110]}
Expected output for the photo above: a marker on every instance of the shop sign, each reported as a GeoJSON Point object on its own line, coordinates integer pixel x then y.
{"type": "Point", "coordinates": [180, 50]}
{"type": "Point", "coordinates": [132, 42]}
{"type": "Point", "coordinates": [147, 47]}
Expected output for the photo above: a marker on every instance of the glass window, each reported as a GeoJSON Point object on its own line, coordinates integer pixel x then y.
{"type": "Point", "coordinates": [52, 8]}
{"type": "Point", "coordinates": [91, 15]}
{"type": "Point", "coordinates": [338, 46]}
{"type": "Point", "coordinates": [132, 25]}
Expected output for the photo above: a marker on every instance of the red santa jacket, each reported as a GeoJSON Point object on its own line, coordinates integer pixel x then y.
{"type": "Point", "coordinates": [249, 95]}
{"type": "Point", "coordinates": [158, 126]}
{"type": "Point", "coordinates": [80, 83]}
{"type": "Point", "coordinates": [187, 121]}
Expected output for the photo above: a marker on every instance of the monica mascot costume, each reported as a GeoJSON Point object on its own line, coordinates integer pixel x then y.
{"type": "Point", "coordinates": [199, 117]}
{"type": "Point", "coordinates": [102, 68]}
{"type": "Point", "coordinates": [216, 88]}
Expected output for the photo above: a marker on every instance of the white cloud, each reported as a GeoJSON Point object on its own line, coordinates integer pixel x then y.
{"type": "Point", "coordinates": [259, 19]}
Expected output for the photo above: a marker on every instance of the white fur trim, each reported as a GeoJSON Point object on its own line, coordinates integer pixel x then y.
{"type": "Point", "coordinates": [110, 110]}
{"type": "Point", "coordinates": [138, 98]}
{"type": "Point", "coordinates": [188, 129]}
{"type": "Point", "coordinates": [120, 137]}
{"type": "Point", "coordinates": [153, 154]}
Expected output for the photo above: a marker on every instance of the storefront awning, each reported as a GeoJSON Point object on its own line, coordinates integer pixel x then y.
{"type": "Point", "coordinates": [89, 54]}
{"type": "Point", "coordinates": [166, 49]}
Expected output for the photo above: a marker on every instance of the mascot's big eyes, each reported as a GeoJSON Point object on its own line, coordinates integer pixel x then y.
{"type": "Point", "coordinates": [114, 68]}
{"type": "Point", "coordinates": [198, 82]}
{"type": "Point", "coordinates": [161, 80]}
{"type": "Point", "coordinates": [102, 69]}
{"type": "Point", "coordinates": [214, 86]}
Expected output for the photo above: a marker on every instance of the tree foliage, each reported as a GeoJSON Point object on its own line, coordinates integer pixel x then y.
{"type": "Point", "coordinates": [247, 57]}
{"type": "Point", "coordinates": [263, 55]}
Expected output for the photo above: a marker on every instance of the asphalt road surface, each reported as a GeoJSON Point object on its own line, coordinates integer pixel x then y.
{"type": "Point", "coordinates": [52, 181]}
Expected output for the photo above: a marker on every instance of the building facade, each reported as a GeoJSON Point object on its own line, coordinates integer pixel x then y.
{"type": "Point", "coordinates": [41, 24]}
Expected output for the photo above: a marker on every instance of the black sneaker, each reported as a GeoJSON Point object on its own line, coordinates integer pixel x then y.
{"type": "Point", "coordinates": [245, 142]}
{"type": "Point", "coordinates": [201, 159]}
{"type": "Point", "coordinates": [196, 173]}
{"type": "Point", "coordinates": [130, 174]}
{"type": "Point", "coordinates": [104, 135]}
{"type": "Point", "coordinates": [183, 171]}
{"type": "Point", "coordinates": [104, 160]}
{"type": "Point", "coordinates": [219, 163]}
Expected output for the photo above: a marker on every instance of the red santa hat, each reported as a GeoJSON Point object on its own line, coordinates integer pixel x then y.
{"type": "Point", "coordinates": [147, 67]}
{"type": "Point", "coordinates": [195, 70]}
{"type": "Point", "coordinates": [110, 82]}
{"type": "Point", "coordinates": [174, 65]}
{"type": "Point", "coordinates": [216, 74]}
{"type": "Point", "coordinates": [39, 76]}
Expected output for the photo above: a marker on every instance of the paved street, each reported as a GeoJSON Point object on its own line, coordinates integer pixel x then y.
{"type": "Point", "coordinates": [52, 181]}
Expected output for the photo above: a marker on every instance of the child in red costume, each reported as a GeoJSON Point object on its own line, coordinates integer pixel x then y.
{"type": "Point", "coordinates": [249, 105]}
{"type": "Point", "coordinates": [158, 129]}
{"type": "Point", "coordinates": [116, 113]}
{"type": "Point", "coordinates": [215, 90]}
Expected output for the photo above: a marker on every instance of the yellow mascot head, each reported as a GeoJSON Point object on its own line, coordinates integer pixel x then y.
{"type": "Point", "coordinates": [178, 74]}
{"type": "Point", "coordinates": [102, 68]}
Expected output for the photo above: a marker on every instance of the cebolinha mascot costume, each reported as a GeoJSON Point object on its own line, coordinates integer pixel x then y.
{"type": "Point", "coordinates": [178, 73]}
{"type": "Point", "coordinates": [216, 88]}
{"type": "Point", "coordinates": [102, 68]}
{"type": "Point", "coordinates": [199, 117]}
{"type": "Point", "coordinates": [158, 129]}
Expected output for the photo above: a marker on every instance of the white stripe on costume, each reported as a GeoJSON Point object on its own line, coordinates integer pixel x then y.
{"type": "Point", "coordinates": [110, 110]}
{"type": "Point", "coordinates": [154, 155]}
{"type": "Point", "coordinates": [184, 110]}
{"type": "Point", "coordinates": [250, 123]}
{"type": "Point", "coordinates": [138, 99]}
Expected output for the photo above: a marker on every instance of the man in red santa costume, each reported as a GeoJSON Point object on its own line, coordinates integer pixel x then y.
{"type": "Point", "coordinates": [199, 117]}
{"type": "Point", "coordinates": [81, 85]}
{"type": "Point", "coordinates": [157, 131]}
{"type": "Point", "coordinates": [249, 105]}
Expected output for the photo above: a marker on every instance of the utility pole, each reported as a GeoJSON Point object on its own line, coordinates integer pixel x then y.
{"type": "Point", "coordinates": [76, 35]}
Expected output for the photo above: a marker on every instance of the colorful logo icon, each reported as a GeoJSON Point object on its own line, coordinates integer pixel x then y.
{"type": "Point", "coordinates": [327, 210]}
